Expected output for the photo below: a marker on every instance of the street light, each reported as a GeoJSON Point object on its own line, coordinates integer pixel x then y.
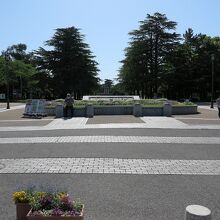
{"type": "Point", "coordinates": [212, 93]}
{"type": "Point", "coordinates": [7, 60]}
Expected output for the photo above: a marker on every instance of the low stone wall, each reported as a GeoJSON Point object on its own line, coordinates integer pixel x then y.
{"type": "Point", "coordinates": [152, 111]}
{"type": "Point", "coordinates": [79, 112]}
{"type": "Point", "coordinates": [50, 111]}
{"type": "Point", "coordinates": [113, 110]}
{"type": "Point", "coordinates": [136, 110]}
{"type": "Point", "coordinates": [184, 110]}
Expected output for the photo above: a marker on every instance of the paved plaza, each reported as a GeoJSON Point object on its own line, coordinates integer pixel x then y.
{"type": "Point", "coordinates": [121, 167]}
{"type": "Point", "coordinates": [111, 139]}
{"type": "Point", "coordinates": [111, 166]}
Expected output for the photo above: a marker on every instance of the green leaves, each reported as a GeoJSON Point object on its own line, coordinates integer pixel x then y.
{"type": "Point", "coordinates": [146, 55]}
{"type": "Point", "coordinates": [24, 70]}
{"type": "Point", "coordinates": [158, 61]}
{"type": "Point", "coordinates": [13, 69]}
{"type": "Point", "coordinates": [69, 64]}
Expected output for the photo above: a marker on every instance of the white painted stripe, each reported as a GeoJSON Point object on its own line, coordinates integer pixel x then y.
{"type": "Point", "coordinates": [111, 166]}
{"type": "Point", "coordinates": [106, 126]}
{"type": "Point", "coordinates": [112, 139]}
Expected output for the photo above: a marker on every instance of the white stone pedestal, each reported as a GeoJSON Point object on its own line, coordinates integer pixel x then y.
{"type": "Point", "coordinates": [197, 212]}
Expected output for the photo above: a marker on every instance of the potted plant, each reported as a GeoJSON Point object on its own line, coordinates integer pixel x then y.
{"type": "Point", "coordinates": [21, 199]}
{"type": "Point", "coordinates": [53, 206]}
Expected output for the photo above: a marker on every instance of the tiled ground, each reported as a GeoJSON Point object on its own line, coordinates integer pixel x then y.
{"type": "Point", "coordinates": [23, 123]}
{"type": "Point", "coordinates": [110, 165]}
{"type": "Point", "coordinates": [112, 139]}
{"type": "Point", "coordinates": [165, 170]}
{"type": "Point", "coordinates": [195, 121]}
{"type": "Point", "coordinates": [105, 119]}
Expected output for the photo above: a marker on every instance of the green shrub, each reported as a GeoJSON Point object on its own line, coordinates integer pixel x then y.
{"type": "Point", "coordinates": [143, 102]}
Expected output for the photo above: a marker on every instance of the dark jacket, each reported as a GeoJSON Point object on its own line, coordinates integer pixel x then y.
{"type": "Point", "coordinates": [69, 101]}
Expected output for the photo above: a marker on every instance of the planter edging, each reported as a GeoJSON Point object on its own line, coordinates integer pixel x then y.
{"type": "Point", "coordinates": [80, 217]}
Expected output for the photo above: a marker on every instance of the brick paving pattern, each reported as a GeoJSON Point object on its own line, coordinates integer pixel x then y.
{"type": "Point", "coordinates": [112, 139]}
{"type": "Point", "coordinates": [111, 166]}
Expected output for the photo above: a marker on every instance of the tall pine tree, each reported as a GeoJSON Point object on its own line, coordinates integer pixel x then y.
{"type": "Point", "coordinates": [154, 39]}
{"type": "Point", "coordinates": [69, 66]}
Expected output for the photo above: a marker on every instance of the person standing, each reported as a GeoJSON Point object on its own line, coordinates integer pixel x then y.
{"type": "Point", "coordinates": [68, 104]}
{"type": "Point", "coordinates": [218, 105]}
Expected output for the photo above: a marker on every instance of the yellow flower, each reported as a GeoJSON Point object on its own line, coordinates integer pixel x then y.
{"type": "Point", "coordinates": [20, 197]}
{"type": "Point", "coordinates": [62, 194]}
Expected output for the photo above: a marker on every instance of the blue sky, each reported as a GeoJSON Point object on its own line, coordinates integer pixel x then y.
{"type": "Point", "coordinates": [105, 23]}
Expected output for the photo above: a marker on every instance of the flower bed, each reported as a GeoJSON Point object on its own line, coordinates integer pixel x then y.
{"type": "Point", "coordinates": [47, 205]}
{"type": "Point", "coordinates": [54, 204]}
{"type": "Point", "coordinates": [149, 107]}
{"type": "Point", "coordinates": [97, 103]}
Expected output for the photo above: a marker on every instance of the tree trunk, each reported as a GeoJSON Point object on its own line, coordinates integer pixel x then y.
{"type": "Point", "coordinates": [151, 62]}
{"type": "Point", "coordinates": [21, 87]}
{"type": "Point", "coordinates": [8, 99]}
{"type": "Point", "coordinates": [156, 65]}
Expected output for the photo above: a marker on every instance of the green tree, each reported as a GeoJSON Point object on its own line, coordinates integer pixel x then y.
{"type": "Point", "coordinates": [145, 57]}
{"type": "Point", "coordinates": [69, 66]}
{"type": "Point", "coordinates": [157, 60]}
{"type": "Point", "coordinates": [188, 71]}
{"type": "Point", "coordinates": [134, 75]}
{"type": "Point", "coordinates": [18, 52]}
{"type": "Point", "coordinates": [25, 78]}
{"type": "Point", "coordinates": [11, 69]}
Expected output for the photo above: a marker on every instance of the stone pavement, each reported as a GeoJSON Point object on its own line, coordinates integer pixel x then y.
{"type": "Point", "coordinates": [13, 120]}
{"type": "Point", "coordinates": [13, 105]}
{"type": "Point", "coordinates": [111, 139]}
{"type": "Point", "coordinates": [206, 116]}
{"type": "Point", "coordinates": [81, 123]}
{"type": "Point", "coordinates": [207, 107]}
{"type": "Point", "coordinates": [110, 166]}
{"type": "Point", "coordinates": [13, 117]}
{"type": "Point", "coordinates": [141, 168]}
{"type": "Point", "coordinates": [23, 123]}
{"type": "Point", "coordinates": [204, 112]}
{"type": "Point", "coordinates": [107, 119]}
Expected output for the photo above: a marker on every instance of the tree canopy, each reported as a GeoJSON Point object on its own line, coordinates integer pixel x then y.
{"type": "Point", "coordinates": [11, 70]}
{"type": "Point", "coordinates": [159, 62]}
{"type": "Point", "coordinates": [69, 66]}
{"type": "Point", "coordinates": [146, 54]}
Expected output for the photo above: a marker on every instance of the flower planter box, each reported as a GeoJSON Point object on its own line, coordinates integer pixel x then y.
{"type": "Point", "coordinates": [22, 210]}
{"type": "Point", "coordinates": [80, 217]}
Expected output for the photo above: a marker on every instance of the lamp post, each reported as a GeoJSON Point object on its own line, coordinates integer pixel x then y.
{"type": "Point", "coordinates": [213, 71]}
{"type": "Point", "coordinates": [20, 87]}
{"type": "Point", "coordinates": [7, 60]}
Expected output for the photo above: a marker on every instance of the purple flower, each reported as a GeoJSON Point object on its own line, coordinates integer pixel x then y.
{"type": "Point", "coordinates": [57, 212]}
{"type": "Point", "coordinates": [71, 213]}
{"type": "Point", "coordinates": [36, 213]}
{"type": "Point", "coordinates": [46, 202]}
{"type": "Point", "coordinates": [66, 204]}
